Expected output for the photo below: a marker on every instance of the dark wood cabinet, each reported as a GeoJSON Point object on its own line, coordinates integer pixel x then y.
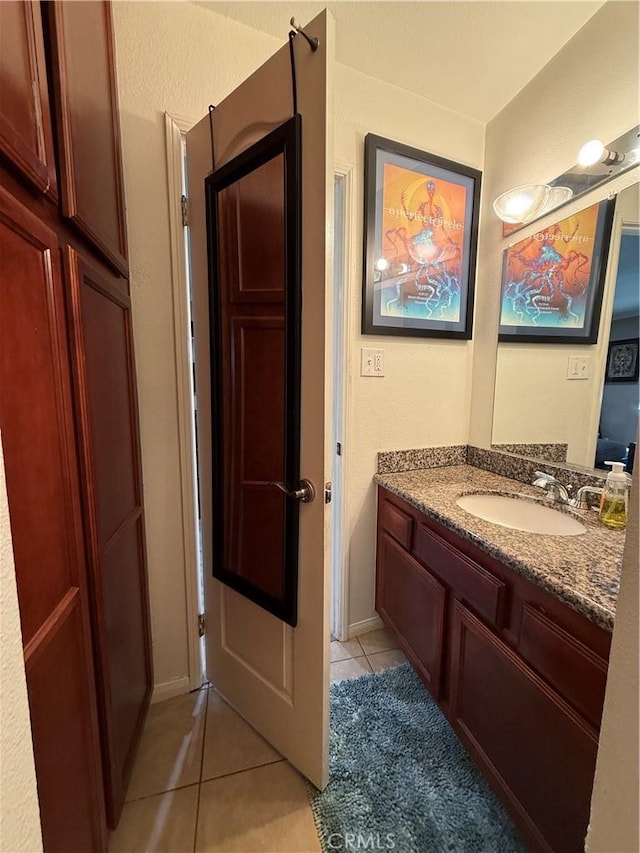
{"type": "Point", "coordinates": [521, 675]}
{"type": "Point", "coordinates": [87, 124]}
{"type": "Point", "coordinates": [44, 506]}
{"type": "Point", "coordinates": [411, 601]}
{"type": "Point", "coordinates": [26, 139]}
{"type": "Point", "coordinates": [536, 749]}
{"type": "Point", "coordinates": [105, 391]}
{"type": "Point", "coordinates": [69, 415]}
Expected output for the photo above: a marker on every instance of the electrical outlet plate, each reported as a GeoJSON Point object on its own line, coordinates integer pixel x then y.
{"type": "Point", "coordinates": [372, 362]}
{"type": "Point", "coordinates": [578, 367]}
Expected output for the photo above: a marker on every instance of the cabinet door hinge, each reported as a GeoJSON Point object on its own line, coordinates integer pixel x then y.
{"type": "Point", "coordinates": [201, 625]}
{"type": "Point", "coordinates": [184, 204]}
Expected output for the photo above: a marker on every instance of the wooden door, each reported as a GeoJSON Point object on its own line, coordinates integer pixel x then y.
{"type": "Point", "coordinates": [43, 491]}
{"type": "Point", "coordinates": [25, 122]}
{"type": "Point", "coordinates": [105, 390]}
{"type": "Point", "coordinates": [87, 126]}
{"type": "Point", "coordinates": [275, 675]}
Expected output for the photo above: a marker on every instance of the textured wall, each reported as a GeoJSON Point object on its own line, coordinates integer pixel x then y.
{"type": "Point", "coordinates": [590, 88]}
{"type": "Point", "coordinates": [174, 57]}
{"type": "Point", "coordinates": [424, 397]}
{"type": "Point", "coordinates": [19, 812]}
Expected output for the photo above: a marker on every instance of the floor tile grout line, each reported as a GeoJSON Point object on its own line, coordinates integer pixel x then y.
{"type": "Point", "coordinates": [244, 770]}
{"type": "Point", "coordinates": [160, 793]}
{"type": "Point", "coordinates": [204, 736]}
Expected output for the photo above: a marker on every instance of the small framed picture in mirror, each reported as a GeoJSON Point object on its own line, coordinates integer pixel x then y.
{"type": "Point", "coordinates": [420, 242]}
{"type": "Point", "coordinates": [622, 361]}
{"type": "Point", "coordinates": [553, 281]}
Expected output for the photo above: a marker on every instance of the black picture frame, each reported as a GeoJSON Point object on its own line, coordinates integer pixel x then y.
{"type": "Point", "coordinates": [529, 296]}
{"type": "Point", "coordinates": [286, 140]}
{"type": "Point", "coordinates": [622, 361]}
{"type": "Point", "coordinates": [426, 286]}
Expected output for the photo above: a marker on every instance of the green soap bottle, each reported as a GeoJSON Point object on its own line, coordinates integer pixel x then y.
{"type": "Point", "coordinates": [615, 497]}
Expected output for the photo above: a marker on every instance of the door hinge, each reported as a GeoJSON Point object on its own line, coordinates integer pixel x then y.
{"type": "Point", "coordinates": [201, 625]}
{"type": "Point", "coordinates": [338, 448]}
{"type": "Point", "coordinates": [184, 204]}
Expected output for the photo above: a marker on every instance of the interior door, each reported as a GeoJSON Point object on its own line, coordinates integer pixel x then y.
{"type": "Point", "coordinates": [104, 372]}
{"type": "Point", "coordinates": [274, 674]}
{"type": "Point", "coordinates": [43, 491]}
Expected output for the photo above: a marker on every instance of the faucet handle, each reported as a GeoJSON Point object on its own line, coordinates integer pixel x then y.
{"type": "Point", "coordinates": [544, 476]}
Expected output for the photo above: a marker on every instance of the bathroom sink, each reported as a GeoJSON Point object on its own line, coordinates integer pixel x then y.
{"type": "Point", "coordinates": [521, 514]}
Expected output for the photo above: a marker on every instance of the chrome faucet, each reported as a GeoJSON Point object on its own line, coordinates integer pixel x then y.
{"type": "Point", "coordinates": [580, 501]}
{"type": "Point", "coordinates": [554, 488]}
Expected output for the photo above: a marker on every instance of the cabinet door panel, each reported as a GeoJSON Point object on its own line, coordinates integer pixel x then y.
{"type": "Point", "coordinates": [412, 603]}
{"type": "Point", "coordinates": [88, 128]}
{"type": "Point", "coordinates": [529, 741]}
{"type": "Point", "coordinates": [25, 122]}
{"type": "Point", "coordinates": [43, 491]}
{"type": "Point", "coordinates": [104, 375]}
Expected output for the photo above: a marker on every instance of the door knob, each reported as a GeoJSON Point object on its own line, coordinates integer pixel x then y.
{"type": "Point", "coordinates": [305, 494]}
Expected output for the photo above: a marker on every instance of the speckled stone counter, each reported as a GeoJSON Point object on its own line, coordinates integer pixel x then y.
{"type": "Point", "coordinates": [583, 571]}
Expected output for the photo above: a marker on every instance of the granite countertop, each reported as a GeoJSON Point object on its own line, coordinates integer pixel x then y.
{"type": "Point", "coordinates": [583, 571]}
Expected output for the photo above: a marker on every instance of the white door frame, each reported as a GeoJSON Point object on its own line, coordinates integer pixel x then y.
{"type": "Point", "coordinates": [175, 127]}
{"type": "Point", "coordinates": [341, 387]}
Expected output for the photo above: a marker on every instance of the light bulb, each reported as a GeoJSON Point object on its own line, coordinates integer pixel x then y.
{"type": "Point", "coordinates": [382, 264]}
{"type": "Point", "coordinates": [590, 153]}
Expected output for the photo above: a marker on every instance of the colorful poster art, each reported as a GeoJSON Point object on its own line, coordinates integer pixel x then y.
{"type": "Point", "coordinates": [552, 281]}
{"type": "Point", "coordinates": [420, 242]}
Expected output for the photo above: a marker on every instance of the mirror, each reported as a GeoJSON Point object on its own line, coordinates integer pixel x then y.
{"type": "Point", "coordinates": [579, 403]}
{"type": "Point", "coordinates": [253, 236]}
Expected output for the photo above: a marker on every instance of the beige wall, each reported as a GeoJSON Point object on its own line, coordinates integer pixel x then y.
{"type": "Point", "coordinates": [423, 399]}
{"type": "Point", "coordinates": [152, 41]}
{"type": "Point", "coordinates": [590, 88]}
{"type": "Point", "coordinates": [19, 811]}
{"type": "Point", "coordinates": [174, 57]}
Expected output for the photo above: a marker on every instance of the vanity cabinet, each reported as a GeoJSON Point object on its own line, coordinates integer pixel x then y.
{"type": "Point", "coordinates": [519, 674]}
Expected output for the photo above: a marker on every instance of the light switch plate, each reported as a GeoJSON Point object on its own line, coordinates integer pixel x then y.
{"type": "Point", "coordinates": [578, 367]}
{"type": "Point", "coordinates": [372, 362]}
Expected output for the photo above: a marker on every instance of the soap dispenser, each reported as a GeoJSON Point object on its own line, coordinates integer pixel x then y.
{"type": "Point", "coordinates": [615, 497]}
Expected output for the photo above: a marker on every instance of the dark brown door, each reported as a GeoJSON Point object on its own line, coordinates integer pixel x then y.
{"type": "Point", "coordinates": [43, 491]}
{"type": "Point", "coordinates": [88, 129]}
{"type": "Point", "coordinates": [105, 387]}
{"type": "Point", "coordinates": [25, 123]}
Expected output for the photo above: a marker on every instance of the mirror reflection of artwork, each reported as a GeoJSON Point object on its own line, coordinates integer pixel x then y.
{"type": "Point", "coordinates": [421, 221]}
{"type": "Point", "coordinates": [552, 281]}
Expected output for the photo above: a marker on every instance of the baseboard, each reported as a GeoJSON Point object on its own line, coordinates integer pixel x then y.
{"type": "Point", "coordinates": [366, 625]}
{"type": "Point", "coordinates": [169, 689]}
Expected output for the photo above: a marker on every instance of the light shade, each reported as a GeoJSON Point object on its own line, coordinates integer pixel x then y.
{"type": "Point", "coordinates": [522, 203]}
{"type": "Point", "coordinates": [557, 196]}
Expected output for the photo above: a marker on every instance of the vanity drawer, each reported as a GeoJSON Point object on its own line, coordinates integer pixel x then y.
{"type": "Point", "coordinates": [397, 523]}
{"type": "Point", "coordinates": [576, 672]}
{"type": "Point", "coordinates": [469, 581]}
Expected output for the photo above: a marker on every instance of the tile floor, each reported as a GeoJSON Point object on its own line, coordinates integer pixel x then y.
{"type": "Point", "coordinates": [206, 781]}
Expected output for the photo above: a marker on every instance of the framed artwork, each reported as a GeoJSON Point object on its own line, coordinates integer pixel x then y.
{"type": "Point", "coordinates": [420, 241]}
{"type": "Point", "coordinates": [552, 282]}
{"type": "Point", "coordinates": [622, 361]}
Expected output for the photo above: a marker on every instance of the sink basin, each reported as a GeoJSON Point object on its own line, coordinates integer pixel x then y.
{"type": "Point", "coordinates": [520, 514]}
